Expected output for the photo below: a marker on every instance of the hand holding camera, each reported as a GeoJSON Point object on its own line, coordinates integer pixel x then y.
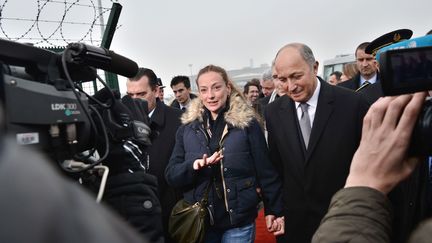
{"type": "Point", "coordinates": [381, 161]}
{"type": "Point", "coordinates": [129, 134]}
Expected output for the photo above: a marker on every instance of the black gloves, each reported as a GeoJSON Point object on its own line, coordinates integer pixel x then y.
{"type": "Point", "coordinates": [139, 110]}
{"type": "Point", "coordinates": [130, 191]}
{"type": "Point", "coordinates": [129, 134]}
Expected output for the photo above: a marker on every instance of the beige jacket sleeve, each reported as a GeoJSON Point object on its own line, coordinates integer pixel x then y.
{"type": "Point", "coordinates": [356, 214]}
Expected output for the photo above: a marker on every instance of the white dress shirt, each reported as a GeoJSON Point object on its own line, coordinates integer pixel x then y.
{"type": "Point", "coordinates": [312, 102]}
{"type": "Point", "coordinates": [371, 80]}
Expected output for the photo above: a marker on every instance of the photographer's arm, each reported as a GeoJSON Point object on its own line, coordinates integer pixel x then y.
{"type": "Point", "coordinates": [361, 212]}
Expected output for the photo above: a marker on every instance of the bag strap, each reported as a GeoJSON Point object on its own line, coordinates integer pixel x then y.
{"type": "Point", "coordinates": [204, 200]}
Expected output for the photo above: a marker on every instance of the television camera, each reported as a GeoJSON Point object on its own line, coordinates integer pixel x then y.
{"type": "Point", "coordinates": [45, 106]}
{"type": "Point", "coordinates": [406, 67]}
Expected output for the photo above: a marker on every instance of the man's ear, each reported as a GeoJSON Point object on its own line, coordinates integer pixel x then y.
{"type": "Point", "coordinates": [315, 67]}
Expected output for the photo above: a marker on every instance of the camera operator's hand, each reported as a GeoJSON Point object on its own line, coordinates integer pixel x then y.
{"type": "Point", "coordinates": [139, 111]}
{"type": "Point", "coordinates": [381, 160]}
{"type": "Point", "coordinates": [127, 124]}
{"type": "Point", "coordinates": [126, 119]}
{"type": "Point", "coordinates": [126, 157]}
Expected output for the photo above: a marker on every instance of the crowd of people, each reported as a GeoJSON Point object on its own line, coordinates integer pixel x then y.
{"type": "Point", "coordinates": [327, 159]}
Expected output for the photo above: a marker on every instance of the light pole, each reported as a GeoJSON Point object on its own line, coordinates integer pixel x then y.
{"type": "Point", "coordinates": [190, 77]}
{"type": "Point", "coordinates": [190, 69]}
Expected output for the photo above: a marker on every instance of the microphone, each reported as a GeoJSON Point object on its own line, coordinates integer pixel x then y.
{"type": "Point", "coordinates": [102, 58]}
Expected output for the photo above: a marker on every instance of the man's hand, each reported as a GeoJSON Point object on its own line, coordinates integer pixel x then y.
{"type": "Point", "coordinates": [381, 160]}
{"type": "Point", "coordinates": [200, 163]}
{"type": "Point", "coordinates": [275, 225]}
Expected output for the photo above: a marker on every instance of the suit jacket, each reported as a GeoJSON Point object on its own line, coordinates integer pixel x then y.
{"type": "Point", "coordinates": [312, 176]}
{"type": "Point", "coordinates": [263, 103]}
{"type": "Point", "coordinates": [353, 83]}
{"type": "Point", "coordinates": [164, 124]}
{"type": "Point", "coordinates": [264, 100]}
{"type": "Point", "coordinates": [371, 92]}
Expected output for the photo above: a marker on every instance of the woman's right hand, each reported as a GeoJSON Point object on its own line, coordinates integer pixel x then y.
{"type": "Point", "coordinates": [200, 163]}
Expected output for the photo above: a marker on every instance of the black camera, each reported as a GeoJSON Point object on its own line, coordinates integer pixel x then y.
{"type": "Point", "coordinates": [45, 106]}
{"type": "Point", "coordinates": [38, 113]}
{"type": "Point", "coordinates": [406, 70]}
{"type": "Point", "coordinates": [406, 67]}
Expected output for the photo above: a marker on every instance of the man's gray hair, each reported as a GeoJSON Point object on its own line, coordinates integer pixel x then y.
{"type": "Point", "coordinates": [304, 50]}
{"type": "Point", "coordinates": [267, 75]}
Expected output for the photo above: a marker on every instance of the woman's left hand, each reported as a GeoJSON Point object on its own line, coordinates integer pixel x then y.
{"type": "Point", "coordinates": [200, 163]}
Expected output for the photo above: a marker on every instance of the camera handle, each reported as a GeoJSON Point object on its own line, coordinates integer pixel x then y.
{"type": "Point", "coordinates": [101, 170]}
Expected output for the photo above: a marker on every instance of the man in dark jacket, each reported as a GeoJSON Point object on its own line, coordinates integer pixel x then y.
{"type": "Point", "coordinates": [361, 211]}
{"type": "Point", "coordinates": [276, 93]}
{"type": "Point", "coordinates": [266, 83]}
{"type": "Point", "coordinates": [164, 121]}
{"type": "Point", "coordinates": [182, 90]}
{"type": "Point", "coordinates": [367, 80]}
{"type": "Point", "coordinates": [313, 132]}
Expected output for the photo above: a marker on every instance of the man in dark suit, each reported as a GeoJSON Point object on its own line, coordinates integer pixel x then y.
{"type": "Point", "coordinates": [313, 132]}
{"type": "Point", "coordinates": [164, 121]}
{"type": "Point", "coordinates": [267, 87]}
{"type": "Point", "coordinates": [277, 91]}
{"type": "Point", "coordinates": [181, 87]}
{"type": "Point", "coordinates": [161, 88]}
{"type": "Point", "coordinates": [367, 80]}
{"type": "Point", "coordinates": [266, 83]}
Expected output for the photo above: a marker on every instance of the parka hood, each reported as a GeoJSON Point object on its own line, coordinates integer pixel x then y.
{"type": "Point", "coordinates": [239, 114]}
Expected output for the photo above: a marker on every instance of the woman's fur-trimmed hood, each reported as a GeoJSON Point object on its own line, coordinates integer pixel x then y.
{"type": "Point", "coordinates": [240, 114]}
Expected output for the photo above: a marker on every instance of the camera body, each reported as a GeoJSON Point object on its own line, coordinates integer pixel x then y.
{"type": "Point", "coordinates": [406, 70]}
{"type": "Point", "coordinates": [406, 67]}
{"type": "Point", "coordinates": [44, 106]}
{"type": "Point", "coordinates": [37, 114]}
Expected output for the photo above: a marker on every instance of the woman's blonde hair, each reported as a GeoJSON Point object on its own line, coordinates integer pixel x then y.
{"type": "Point", "coordinates": [350, 70]}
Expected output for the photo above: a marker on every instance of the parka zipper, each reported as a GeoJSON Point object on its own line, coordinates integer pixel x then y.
{"type": "Point", "coordinates": [224, 185]}
{"type": "Point", "coordinates": [221, 142]}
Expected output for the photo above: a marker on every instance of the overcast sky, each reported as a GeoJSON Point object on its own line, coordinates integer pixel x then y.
{"type": "Point", "coordinates": [167, 36]}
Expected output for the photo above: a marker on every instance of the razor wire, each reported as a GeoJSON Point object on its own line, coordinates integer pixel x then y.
{"type": "Point", "coordinates": [58, 33]}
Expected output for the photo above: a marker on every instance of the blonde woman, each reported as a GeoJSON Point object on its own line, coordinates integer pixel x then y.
{"type": "Point", "coordinates": [221, 142]}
